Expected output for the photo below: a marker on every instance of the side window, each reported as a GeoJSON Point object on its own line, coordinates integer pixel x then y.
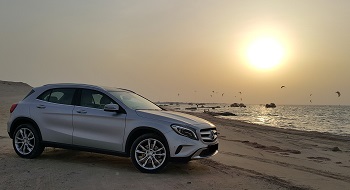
{"type": "Point", "coordinates": [59, 96]}
{"type": "Point", "coordinates": [44, 96]}
{"type": "Point", "coordinates": [94, 99]}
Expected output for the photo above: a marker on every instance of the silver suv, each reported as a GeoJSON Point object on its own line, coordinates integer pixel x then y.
{"type": "Point", "coordinates": [107, 120]}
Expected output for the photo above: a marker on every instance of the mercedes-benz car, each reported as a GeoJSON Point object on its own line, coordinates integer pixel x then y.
{"type": "Point", "coordinates": [110, 121]}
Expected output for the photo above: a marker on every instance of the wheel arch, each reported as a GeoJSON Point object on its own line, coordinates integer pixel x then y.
{"type": "Point", "coordinates": [23, 120]}
{"type": "Point", "coordinates": [137, 132]}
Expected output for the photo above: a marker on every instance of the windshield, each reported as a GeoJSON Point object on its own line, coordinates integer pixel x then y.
{"type": "Point", "coordinates": [134, 101]}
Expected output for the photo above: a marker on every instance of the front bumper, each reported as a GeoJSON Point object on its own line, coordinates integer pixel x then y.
{"type": "Point", "coordinates": [205, 152]}
{"type": "Point", "coordinates": [211, 150]}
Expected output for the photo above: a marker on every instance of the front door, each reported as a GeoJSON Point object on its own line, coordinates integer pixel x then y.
{"type": "Point", "coordinates": [94, 127]}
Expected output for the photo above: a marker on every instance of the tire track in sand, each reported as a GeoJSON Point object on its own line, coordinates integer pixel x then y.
{"type": "Point", "coordinates": [226, 169]}
{"type": "Point", "coordinates": [297, 167]}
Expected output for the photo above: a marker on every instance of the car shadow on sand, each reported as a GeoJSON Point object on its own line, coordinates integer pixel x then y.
{"type": "Point", "coordinates": [80, 158]}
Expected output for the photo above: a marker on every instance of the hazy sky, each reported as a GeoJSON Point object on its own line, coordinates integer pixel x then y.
{"type": "Point", "coordinates": [164, 48]}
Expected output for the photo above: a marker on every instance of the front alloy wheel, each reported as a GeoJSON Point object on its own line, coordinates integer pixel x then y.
{"type": "Point", "coordinates": [149, 153]}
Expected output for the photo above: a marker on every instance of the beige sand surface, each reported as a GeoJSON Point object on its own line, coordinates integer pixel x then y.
{"type": "Point", "coordinates": [250, 157]}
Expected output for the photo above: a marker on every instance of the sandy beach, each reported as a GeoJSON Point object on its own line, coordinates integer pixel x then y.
{"type": "Point", "coordinates": [250, 157]}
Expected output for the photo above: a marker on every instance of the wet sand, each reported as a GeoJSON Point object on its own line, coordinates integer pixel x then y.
{"type": "Point", "coordinates": [250, 157]}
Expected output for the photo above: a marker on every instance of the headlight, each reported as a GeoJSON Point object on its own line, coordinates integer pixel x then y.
{"type": "Point", "coordinates": [185, 131]}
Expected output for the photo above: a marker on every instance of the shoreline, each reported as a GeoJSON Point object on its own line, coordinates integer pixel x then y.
{"type": "Point", "coordinates": [328, 119]}
{"type": "Point", "coordinates": [238, 123]}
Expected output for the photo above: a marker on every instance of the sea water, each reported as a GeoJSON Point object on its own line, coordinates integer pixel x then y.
{"type": "Point", "coordinates": [330, 119]}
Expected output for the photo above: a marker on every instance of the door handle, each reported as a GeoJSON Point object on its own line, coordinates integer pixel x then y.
{"type": "Point", "coordinates": [41, 106]}
{"type": "Point", "coordinates": [82, 111]}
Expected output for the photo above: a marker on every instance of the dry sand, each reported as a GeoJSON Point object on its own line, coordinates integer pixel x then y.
{"type": "Point", "coordinates": [250, 157]}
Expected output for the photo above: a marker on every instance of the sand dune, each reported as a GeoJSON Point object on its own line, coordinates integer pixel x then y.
{"type": "Point", "coordinates": [12, 92]}
{"type": "Point", "coordinates": [250, 157]}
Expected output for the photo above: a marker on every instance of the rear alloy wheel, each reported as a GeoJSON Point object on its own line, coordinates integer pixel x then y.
{"type": "Point", "coordinates": [149, 153]}
{"type": "Point", "coordinates": [26, 142]}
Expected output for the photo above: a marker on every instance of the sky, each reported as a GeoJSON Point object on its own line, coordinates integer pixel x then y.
{"type": "Point", "coordinates": [181, 50]}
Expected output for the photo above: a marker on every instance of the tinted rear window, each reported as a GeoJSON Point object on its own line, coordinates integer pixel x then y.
{"type": "Point", "coordinates": [59, 95]}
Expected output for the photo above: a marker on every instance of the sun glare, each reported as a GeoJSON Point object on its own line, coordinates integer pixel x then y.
{"type": "Point", "coordinates": [265, 53]}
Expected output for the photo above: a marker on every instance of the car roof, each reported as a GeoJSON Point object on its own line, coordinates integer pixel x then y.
{"type": "Point", "coordinates": [78, 85]}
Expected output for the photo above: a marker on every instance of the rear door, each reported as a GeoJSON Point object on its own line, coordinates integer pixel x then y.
{"type": "Point", "coordinates": [94, 127]}
{"type": "Point", "coordinates": [52, 111]}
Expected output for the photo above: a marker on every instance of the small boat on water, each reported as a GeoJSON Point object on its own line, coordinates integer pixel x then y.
{"type": "Point", "coordinates": [238, 105]}
{"type": "Point", "coordinates": [270, 105]}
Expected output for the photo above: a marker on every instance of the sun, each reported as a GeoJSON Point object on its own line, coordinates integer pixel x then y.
{"type": "Point", "coordinates": [265, 53]}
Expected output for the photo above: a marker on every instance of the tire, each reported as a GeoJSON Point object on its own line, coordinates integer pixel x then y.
{"type": "Point", "coordinates": [26, 142]}
{"type": "Point", "coordinates": [149, 153]}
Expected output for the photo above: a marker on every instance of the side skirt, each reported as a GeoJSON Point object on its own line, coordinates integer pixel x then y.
{"type": "Point", "coordinates": [83, 148]}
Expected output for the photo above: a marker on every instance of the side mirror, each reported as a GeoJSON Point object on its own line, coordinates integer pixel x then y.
{"type": "Point", "coordinates": [111, 108]}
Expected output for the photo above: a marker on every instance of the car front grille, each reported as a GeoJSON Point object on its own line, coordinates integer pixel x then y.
{"type": "Point", "coordinates": [209, 135]}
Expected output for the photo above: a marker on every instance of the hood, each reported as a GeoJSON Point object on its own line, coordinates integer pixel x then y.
{"type": "Point", "coordinates": [175, 118]}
